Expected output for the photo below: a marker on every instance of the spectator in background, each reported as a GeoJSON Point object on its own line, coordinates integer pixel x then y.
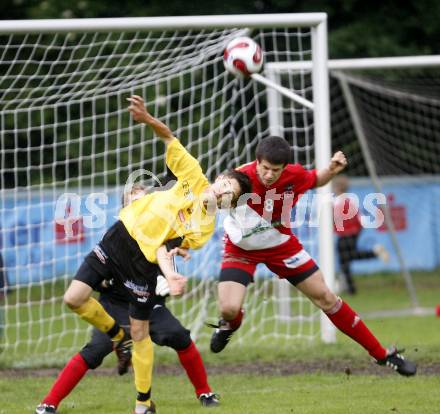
{"type": "Point", "coordinates": [348, 227]}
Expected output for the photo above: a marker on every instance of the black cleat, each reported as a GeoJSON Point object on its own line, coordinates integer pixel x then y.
{"type": "Point", "coordinates": [123, 352]}
{"type": "Point", "coordinates": [397, 362]}
{"type": "Point", "coordinates": [45, 409]}
{"type": "Point", "coordinates": [221, 336]}
{"type": "Point", "coordinates": [209, 400]}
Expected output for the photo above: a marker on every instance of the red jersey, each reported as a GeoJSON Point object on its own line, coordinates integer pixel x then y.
{"type": "Point", "coordinates": [264, 222]}
{"type": "Point", "coordinates": [344, 225]}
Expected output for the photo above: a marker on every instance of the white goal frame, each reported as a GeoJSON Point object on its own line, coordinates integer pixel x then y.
{"type": "Point", "coordinates": [317, 22]}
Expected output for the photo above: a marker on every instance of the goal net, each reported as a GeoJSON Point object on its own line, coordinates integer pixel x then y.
{"type": "Point", "coordinates": [385, 117]}
{"type": "Point", "coordinates": [68, 146]}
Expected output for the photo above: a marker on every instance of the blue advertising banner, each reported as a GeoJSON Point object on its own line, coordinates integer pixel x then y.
{"type": "Point", "coordinates": [414, 210]}
{"type": "Point", "coordinates": [40, 243]}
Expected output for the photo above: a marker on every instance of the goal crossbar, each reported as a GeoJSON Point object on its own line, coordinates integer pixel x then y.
{"type": "Point", "coordinates": [360, 64]}
{"type": "Point", "coordinates": [158, 23]}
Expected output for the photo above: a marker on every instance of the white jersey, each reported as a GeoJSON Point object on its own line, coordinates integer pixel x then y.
{"type": "Point", "coordinates": [250, 231]}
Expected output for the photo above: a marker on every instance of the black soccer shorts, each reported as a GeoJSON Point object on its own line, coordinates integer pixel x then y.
{"type": "Point", "coordinates": [118, 256]}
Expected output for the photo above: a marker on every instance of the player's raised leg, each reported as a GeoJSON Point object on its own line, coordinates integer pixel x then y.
{"type": "Point", "coordinates": [78, 298]}
{"type": "Point", "coordinates": [348, 322]}
{"type": "Point", "coordinates": [231, 295]}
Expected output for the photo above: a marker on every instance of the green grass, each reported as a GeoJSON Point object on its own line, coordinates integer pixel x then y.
{"type": "Point", "coordinates": [50, 343]}
{"type": "Point", "coordinates": [241, 394]}
{"type": "Point", "coordinates": [388, 291]}
{"type": "Point", "coordinates": [308, 392]}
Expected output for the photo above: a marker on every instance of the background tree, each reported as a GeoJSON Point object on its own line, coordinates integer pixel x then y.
{"type": "Point", "coordinates": [356, 28]}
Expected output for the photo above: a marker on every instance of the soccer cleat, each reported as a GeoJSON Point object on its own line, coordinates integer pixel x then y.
{"type": "Point", "coordinates": [148, 410]}
{"type": "Point", "coordinates": [46, 409]}
{"type": "Point", "coordinates": [221, 336]}
{"type": "Point", "coordinates": [381, 252]}
{"type": "Point", "coordinates": [209, 400]}
{"type": "Point", "coordinates": [123, 353]}
{"type": "Point", "coordinates": [397, 362]}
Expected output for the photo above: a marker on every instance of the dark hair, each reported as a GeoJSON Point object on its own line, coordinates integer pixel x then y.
{"type": "Point", "coordinates": [243, 181]}
{"type": "Point", "coordinates": [275, 150]}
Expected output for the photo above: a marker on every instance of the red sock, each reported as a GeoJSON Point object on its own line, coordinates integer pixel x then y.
{"type": "Point", "coordinates": [347, 321]}
{"type": "Point", "coordinates": [192, 362]}
{"type": "Point", "coordinates": [235, 323]}
{"type": "Point", "coordinates": [67, 379]}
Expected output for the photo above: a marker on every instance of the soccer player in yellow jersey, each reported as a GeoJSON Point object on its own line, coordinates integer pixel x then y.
{"type": "Point", "coordinates": [134, 249]}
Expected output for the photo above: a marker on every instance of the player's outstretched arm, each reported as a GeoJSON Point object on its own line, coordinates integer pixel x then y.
{"type": "Point", "coordinates": [336, 165]}
{"type": "Point", "coordinates": [140, 114]}
{"type": "Point", "coordinates": [176, 281]}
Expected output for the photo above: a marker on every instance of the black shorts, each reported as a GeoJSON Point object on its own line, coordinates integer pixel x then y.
{"type": "Point", "coordinates": [118, 256]}
{"type": "Point", "coordinates": [232, 274]}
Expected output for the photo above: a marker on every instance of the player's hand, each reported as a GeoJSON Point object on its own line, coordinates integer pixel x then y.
{"type": "Point", "coordinates": [177, 283]}
{"type": "Point", "coordinates": [140, 114]}
{"type": "Point", "coordinates": [162, 286]}
{"type": "Point", "coordinates": [137, 109]}
{"type": "Point", "coordinates": [337, 163]}
{"type": "Point", "coordinates": [179, 251]}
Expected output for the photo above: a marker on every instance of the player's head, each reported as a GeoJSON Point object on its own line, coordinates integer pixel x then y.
{"type": "Point", "coordinates": [340, 184]}
{"type": "Point", "coordinates": [227, 188]}
{"type": "Point", "coordinates": [273, 154]}
{"type": "Point", "coordinates": [134, 192]}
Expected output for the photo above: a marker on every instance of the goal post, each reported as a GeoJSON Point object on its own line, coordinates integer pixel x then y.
{"type": "Point", "coordinates": [321, 99]}
{"type": "Point", "coordinates": [68, 147]}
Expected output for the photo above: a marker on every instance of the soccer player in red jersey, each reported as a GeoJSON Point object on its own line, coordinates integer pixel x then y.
{"type": "Point", "coordinates": [259, 232]}
{"type": "Point", "coordinates": [348, 228]}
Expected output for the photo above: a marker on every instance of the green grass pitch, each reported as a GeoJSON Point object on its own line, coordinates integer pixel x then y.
{"type": "Point", "coordinates": [330, 379]}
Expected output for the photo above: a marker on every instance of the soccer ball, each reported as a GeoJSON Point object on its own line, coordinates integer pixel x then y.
{"type": "Point", "coordinates": [243, 57]}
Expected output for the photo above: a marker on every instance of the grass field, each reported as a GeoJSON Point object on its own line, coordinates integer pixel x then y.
{"type": "Point", "coordinates": [241, 394]}
{"type": "Point", "coordinates": [303, 378]}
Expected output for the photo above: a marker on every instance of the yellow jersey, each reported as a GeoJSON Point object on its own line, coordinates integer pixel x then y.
{"type": "Point", "coordinates": [177, 212]}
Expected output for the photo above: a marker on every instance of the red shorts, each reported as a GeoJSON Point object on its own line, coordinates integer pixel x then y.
{"type": "Point", "coordinates": [286, 260]}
